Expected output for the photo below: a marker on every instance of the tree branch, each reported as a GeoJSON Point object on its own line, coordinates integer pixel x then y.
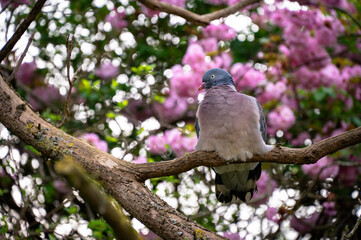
{"type": "Point", "coordinates": [12, 75]}
{"type": "Point", "coordinates": [202, 20]}
{"type": "Point", "coordinates": [279, 154]}
{"type": "Point", "coordinates": [21, 29]}
{"type": "Point", "coordinates": [229, 10]}
{"type": "Point", "coordinates": [97, 199]}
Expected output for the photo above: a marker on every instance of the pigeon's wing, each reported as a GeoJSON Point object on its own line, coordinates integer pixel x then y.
{"type": "Point", "coordinates": [196, 126]}
{"type": "Point", "coordinates": [262, 122]}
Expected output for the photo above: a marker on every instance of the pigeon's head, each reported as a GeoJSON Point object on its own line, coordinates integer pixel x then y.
{"type": "Point", "coordinates": [216, 77]}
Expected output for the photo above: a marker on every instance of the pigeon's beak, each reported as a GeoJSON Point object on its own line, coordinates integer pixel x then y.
{"type": "Point", "coordinates": [202, 86]}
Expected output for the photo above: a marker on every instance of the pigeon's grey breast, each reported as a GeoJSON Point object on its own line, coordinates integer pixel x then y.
{"type": "Point", "coordinates": [230, 124]}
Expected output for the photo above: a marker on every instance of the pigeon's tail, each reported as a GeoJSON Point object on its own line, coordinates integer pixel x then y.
{"type": "Point", "coordinates": [240, 182]}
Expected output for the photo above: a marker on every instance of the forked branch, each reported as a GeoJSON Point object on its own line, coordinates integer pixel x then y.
{"type": "Point", "coordinates": [202, 20]}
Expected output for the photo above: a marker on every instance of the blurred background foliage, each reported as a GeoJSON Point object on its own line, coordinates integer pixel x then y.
{"type": "Point", "coordinates": [135, 97]}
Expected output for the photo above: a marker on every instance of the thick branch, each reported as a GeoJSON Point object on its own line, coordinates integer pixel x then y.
{"type": "Point", "coordinates": [202, 20]}
{"type": "Point", "coordinates": [117, 176]}
{"type": "Point", "coordinates": [279, 154]}
{"type": "Point", "coordinates": [97, 199]}
{"type": "Point", "coordinates": [21, 29]}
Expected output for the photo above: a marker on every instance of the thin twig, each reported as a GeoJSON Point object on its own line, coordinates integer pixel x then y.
{"type": "Point", "coordinates": [71, 81]}
{"type": "Point", "coordinates": [354, 229]}
{"type": "Point", "coordinates": [349, 15]}
{"type": "Point", "coordinates": [8, 24]}
{"type": "Point", "coordinates": [202, 20]}
{"type": "Point", "coordinates": [6, 6]}
{"type": "Point", "coordinates": [21, 29]}
{"type": "Point", "coordinates": [69, 48]}
{"type": "Point", "coordinates": [12, 75]}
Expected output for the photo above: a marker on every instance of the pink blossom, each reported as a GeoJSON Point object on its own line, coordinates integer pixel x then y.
{"type": "Point", "coordinates": [304, 225]}
{"type": "Point", "coordinates": [149, 236]}
{"type": "Point", "coordinates": [232, 2]}
{"type": "Point", "coordinates": [330, 75]}
{"type": "Point", "coordinates": [348, 175]}
{"type": "Point", "coordinates": [117, 20]}
{"type": "Point", "coordinates": [41, 97]}
{"type": "Point", "coordinates": [61, 186]}
{"type": "Point", "coordinates": [171, 109]}
{"type": "Point", "coordinates": [238, 70]}
{"type": "Point", "coordinates": [179, 144]}
{"type": "Point", "coordinates": [189, 143]}
{"type": "Point", "coordinates": [301, 19]}
{"type": "Point", "coordinates": [307, 78]}
{"type": "Point", "coordinates": [195, 56]}
{"type": "Point", "coordinates": [26, 73]}
{"type": "Point", "coordinates": [265, 186]}
{"type": "Point", "coordinates": [301, 138]}
{"type": "Point", "coordinates": [246, 77]}
{"type": "Point", "coordinates": [156, 144]}
{"type": "Point", "coordinates": [232, 236]}
{"type": "Point", "coordinates": [13, 4]}
{"type": "Point", "coordinates": [358, 93]}
{"type": "Point", "coordinates": [284, 50]}
{"type": "Point", "coordinates": [315, 57]}
{"type": "Point", "coordinates": [297, 27]}
{"type": "Point", "coordinates": [273, 215]}
{"type": "Point", "coordinates": [223, 61]}
{"type": "Point", "coordinates": [289, 101]}
{"type": "Point", "coordinates": [107, 71]}
{"type": "Point", "coordinates": [325, 165]}
{"type": "Point", "coordinates": [220, 31]}
{"type": "Point", "coordinates": [328, 32]}
{"type": "Point", "coordinates": [94, 140]}
{"type": "Point", "coordinates": [349, 6]}
{"type": "Point", "coordinates": [329, 209]}
{"type": "Point", "coordinates": [140, 159]}
{"type": "Point", "coordinates": [252, 78]}
{"type": "Point", "coordinates": [138, 110]}
{"type": "Point", "coordinates": [173, 137]}
{"type": "Point", "coordinates": [282, 118]}
{"type": "Point", "coordinates": [328, 127]}
{"type": "Point", "coordinates": [209, 44]}
{"type": "Point", "coordinates": [273, 91]}
{"type": "Point", "coordinates": [185, 83]}
{"type": "Point", "coordinates": [351, 72]}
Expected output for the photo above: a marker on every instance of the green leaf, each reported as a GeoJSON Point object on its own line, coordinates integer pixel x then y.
{"type": "Point", "coordinates": [4, 229]}
{"type": "Point", "coordinates": [111, 139]}
{"type": "Point", "coordinates": [159, 99]}
{"type": "Point", "coordinates": [97, 225]}
{"type": "Point", "coordinates": [85, 85]}
{"type": "Point", "coordinates": [111, 115]}
{"type": "Point", "coordinates": [72, 209]}
{"type": "Point", "coordinates": [123, 104]}
{"type": "Point", "coordinates": [356, 121]}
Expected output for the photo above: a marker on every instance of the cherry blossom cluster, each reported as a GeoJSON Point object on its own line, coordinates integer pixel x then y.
{"type": "Point", "coordinates": [117, 20]}
{"type": "Point", "coordinates": [94, 140]}
{"type": "Point", "coordinates": [179, 144]}
{"type": "Point", "coordinates": [13, 3]}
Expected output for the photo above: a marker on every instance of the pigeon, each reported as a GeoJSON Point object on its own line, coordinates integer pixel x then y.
{"type": "Point", "coordinates": [233, 125]}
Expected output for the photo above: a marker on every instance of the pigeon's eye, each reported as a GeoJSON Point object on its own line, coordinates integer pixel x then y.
{"type": "Point", "coordinates": [213, 76]}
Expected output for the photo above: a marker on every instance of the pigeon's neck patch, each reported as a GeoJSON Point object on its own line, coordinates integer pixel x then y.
{"type": "Point", "coordinates": [233, 87]}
